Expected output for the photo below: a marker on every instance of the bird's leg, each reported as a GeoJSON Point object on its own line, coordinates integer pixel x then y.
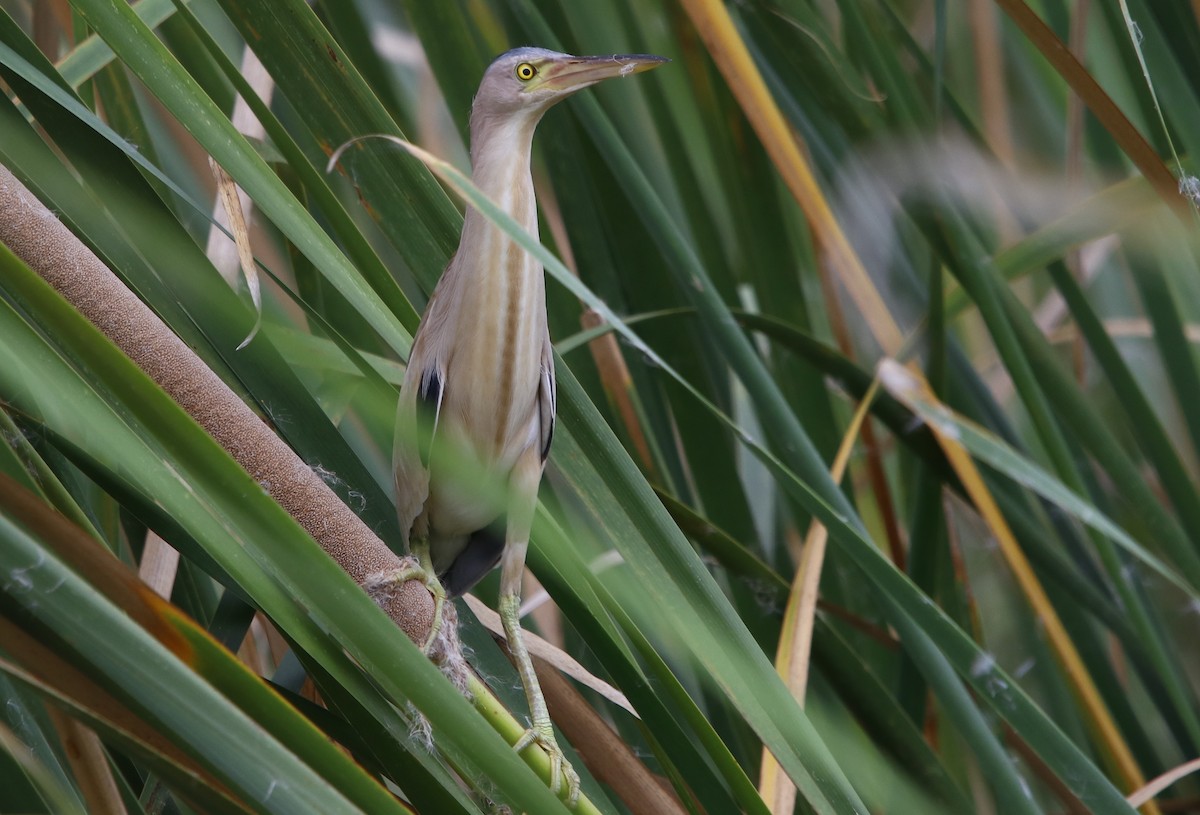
{"type": "Point", "coordinates": [512, 564]}
{"type": "Point", "coordinates": [423, 571]}
{"type": "Point", "coordinates": [541, 732]}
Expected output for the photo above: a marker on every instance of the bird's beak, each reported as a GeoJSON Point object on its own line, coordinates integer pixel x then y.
{"type": "Point", "coordinates": [578, 72]}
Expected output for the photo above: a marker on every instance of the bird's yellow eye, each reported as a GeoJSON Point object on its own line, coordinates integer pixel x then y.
{"type": "Point", "coordinates": [526, 72]}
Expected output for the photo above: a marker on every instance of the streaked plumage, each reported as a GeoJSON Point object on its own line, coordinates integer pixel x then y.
{"type": "Point", "coordinates": [485, 345]}
{"type": "Point", "coordinates": [480, 380]}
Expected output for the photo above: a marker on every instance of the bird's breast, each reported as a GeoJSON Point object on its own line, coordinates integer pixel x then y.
{"type": "Point", "coordinates": [497, 354]}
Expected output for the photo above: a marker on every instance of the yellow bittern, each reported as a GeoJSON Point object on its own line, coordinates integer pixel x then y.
{"type": "Point", "coordinates": [480, 379]}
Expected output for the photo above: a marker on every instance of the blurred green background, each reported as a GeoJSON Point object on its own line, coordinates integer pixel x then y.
{"type": "Point", "coordinates": [1026, 222]}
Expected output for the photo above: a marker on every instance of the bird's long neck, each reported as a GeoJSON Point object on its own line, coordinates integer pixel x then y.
{"type": "Point", "coordinates": [501, 289]}
{"type": "Point", "coordinates": [500, 151]}
{"type": "Point", "coordinates": [502, 278]}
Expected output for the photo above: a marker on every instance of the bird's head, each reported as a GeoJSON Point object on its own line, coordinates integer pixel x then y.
{"type": "Point", "coordinates": [529, 80]}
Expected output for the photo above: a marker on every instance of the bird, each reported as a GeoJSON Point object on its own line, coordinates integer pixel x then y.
{"type": "Point", "coordinates": [476, 412]}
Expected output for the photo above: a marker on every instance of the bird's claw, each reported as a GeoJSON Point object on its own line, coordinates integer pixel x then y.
{"type": "Point", "coordinates": [560, 768]}
{"type": "Point", "coordinates": [425, 574]}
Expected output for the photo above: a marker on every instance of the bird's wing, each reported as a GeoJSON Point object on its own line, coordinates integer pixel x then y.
{"type": "Point", "coordinates": [417, 418]}
{"type": "Point", "coordinates": [547, 400]}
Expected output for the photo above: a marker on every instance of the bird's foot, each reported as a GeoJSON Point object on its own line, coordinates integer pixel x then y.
{"type": "Point", "coordinates": [424, 573]}
{"type": "Point", "coordinates": [560, 768]}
